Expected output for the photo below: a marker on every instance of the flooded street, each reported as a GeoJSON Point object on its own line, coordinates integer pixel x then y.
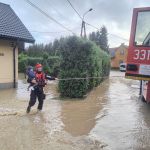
{"type": "Point", "coordinates": [112, 117]}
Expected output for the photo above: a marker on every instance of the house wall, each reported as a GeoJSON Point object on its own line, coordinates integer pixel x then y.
{"type": "Point", "coordinates": [6, 64]}
{"type": "Point", "coordinates": [115, 62]}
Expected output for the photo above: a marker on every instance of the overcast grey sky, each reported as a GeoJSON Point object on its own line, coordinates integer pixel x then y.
{"type": "Point", "coordinates": [114, 14]}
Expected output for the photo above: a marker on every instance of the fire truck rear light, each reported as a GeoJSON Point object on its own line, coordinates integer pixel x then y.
{"type": "Point", "coordinates": [132, 67]}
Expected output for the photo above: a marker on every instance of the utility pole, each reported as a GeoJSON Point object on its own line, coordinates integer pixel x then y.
{"type": "Point", "coordinates": [83, 28]}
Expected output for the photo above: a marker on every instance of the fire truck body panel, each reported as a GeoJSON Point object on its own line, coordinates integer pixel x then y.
{"type": "Point", "coordinates": [138, 59]}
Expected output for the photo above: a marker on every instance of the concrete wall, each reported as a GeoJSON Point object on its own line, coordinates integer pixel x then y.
{"type": "Point", "coordinates": [6, 64]}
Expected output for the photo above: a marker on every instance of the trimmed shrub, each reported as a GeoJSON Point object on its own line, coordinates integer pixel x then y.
{"type": "Point", "coordinates": [81, 59]}
{"type": "Point", "coordinates": [50, 64]}
{"type": "Point", "coordinates": [22, 62]}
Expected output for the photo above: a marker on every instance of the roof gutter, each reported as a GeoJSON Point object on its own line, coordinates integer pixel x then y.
{"type": "Point", "coordinates": [14, 65]}
{"type": "Point", "coordinates": [16, 38]}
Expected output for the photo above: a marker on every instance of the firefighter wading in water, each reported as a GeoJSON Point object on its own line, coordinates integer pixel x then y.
{"type": "Point", "coordinates": [37, 83]}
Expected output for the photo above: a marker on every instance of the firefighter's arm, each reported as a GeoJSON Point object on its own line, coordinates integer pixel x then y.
{"type": "Point", "coordinates": [50, 78]}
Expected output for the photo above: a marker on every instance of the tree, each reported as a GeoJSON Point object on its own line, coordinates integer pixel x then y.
{"type": "Point", "coordinates": [92, 36]}
{"type": "Point", "coordinates": [35, 50]}
{"type": "Point", "coordinates": [100, 38]}
{"type": "Point", "coordinates": [103, 40]}
{"type": "Point", "coordinates": [56, 46]}
{"type": "Point", "coordinates": [48, 48]}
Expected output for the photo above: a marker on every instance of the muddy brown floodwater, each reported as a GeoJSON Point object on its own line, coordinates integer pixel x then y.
{"type": "Point", "coordinates": [111, 117]}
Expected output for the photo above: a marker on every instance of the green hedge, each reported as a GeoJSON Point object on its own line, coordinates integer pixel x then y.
{"type": "Point", "coordinates": [81, 59]}
{"type": "Point", "coordinates": [50, 64]}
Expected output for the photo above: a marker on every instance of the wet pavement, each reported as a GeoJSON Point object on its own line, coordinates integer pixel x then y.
{"type": "Point", "coordinates": [111, 117]}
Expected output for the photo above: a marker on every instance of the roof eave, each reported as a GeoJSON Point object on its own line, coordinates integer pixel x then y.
{"type": "Point", "coordinates": [27, 40]}
{"type": "Point", "coordinates": [17, 39]}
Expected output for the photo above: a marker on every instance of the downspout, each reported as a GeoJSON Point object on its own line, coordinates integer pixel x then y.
{"type": "Point", "coordinates": [14, 65]}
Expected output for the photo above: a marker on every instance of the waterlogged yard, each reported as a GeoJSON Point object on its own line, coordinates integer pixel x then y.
{"type": "Point", "coordinates": [111, 117]}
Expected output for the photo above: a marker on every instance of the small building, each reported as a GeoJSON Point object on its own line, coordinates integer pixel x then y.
{"type": "Point", "coordinates": [12, 34]}
{"type": "Point", "coordinates": [118, 55]}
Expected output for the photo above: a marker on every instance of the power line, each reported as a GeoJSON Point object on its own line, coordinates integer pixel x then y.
{"type": "Point", "coordinates": [83, 29]}
{"type": "Point", "coordinates": [74, 9]}
{"type": "Point", "coordinates": [47, 15]}
{"type": "Point", "coordinates": [93, 25]}
{"type": "Point", "coordinates": [109, 33]}
{"type": "Point", "coordinates": [119, 37]}
{"type": "Point", "coordinates": [58, 12]}
{"type": "Point", "coordinates": [86, 78]}
{"type": "Point", "coordinates": [46, 31]}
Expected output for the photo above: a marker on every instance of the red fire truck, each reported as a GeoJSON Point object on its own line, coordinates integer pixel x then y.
{"type": "Point", "coordinates": [138, 59]}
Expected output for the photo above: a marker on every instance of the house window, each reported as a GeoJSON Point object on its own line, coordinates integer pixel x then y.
{"type": "Point", "coordinates": [121, 52]}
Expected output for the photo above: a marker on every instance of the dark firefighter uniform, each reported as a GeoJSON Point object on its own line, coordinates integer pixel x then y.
{"type": "Point", "coordinates": [37, 91]}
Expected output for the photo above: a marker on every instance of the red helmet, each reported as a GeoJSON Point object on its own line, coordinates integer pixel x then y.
{"type": "Point", "coordinates": [38, 66]}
